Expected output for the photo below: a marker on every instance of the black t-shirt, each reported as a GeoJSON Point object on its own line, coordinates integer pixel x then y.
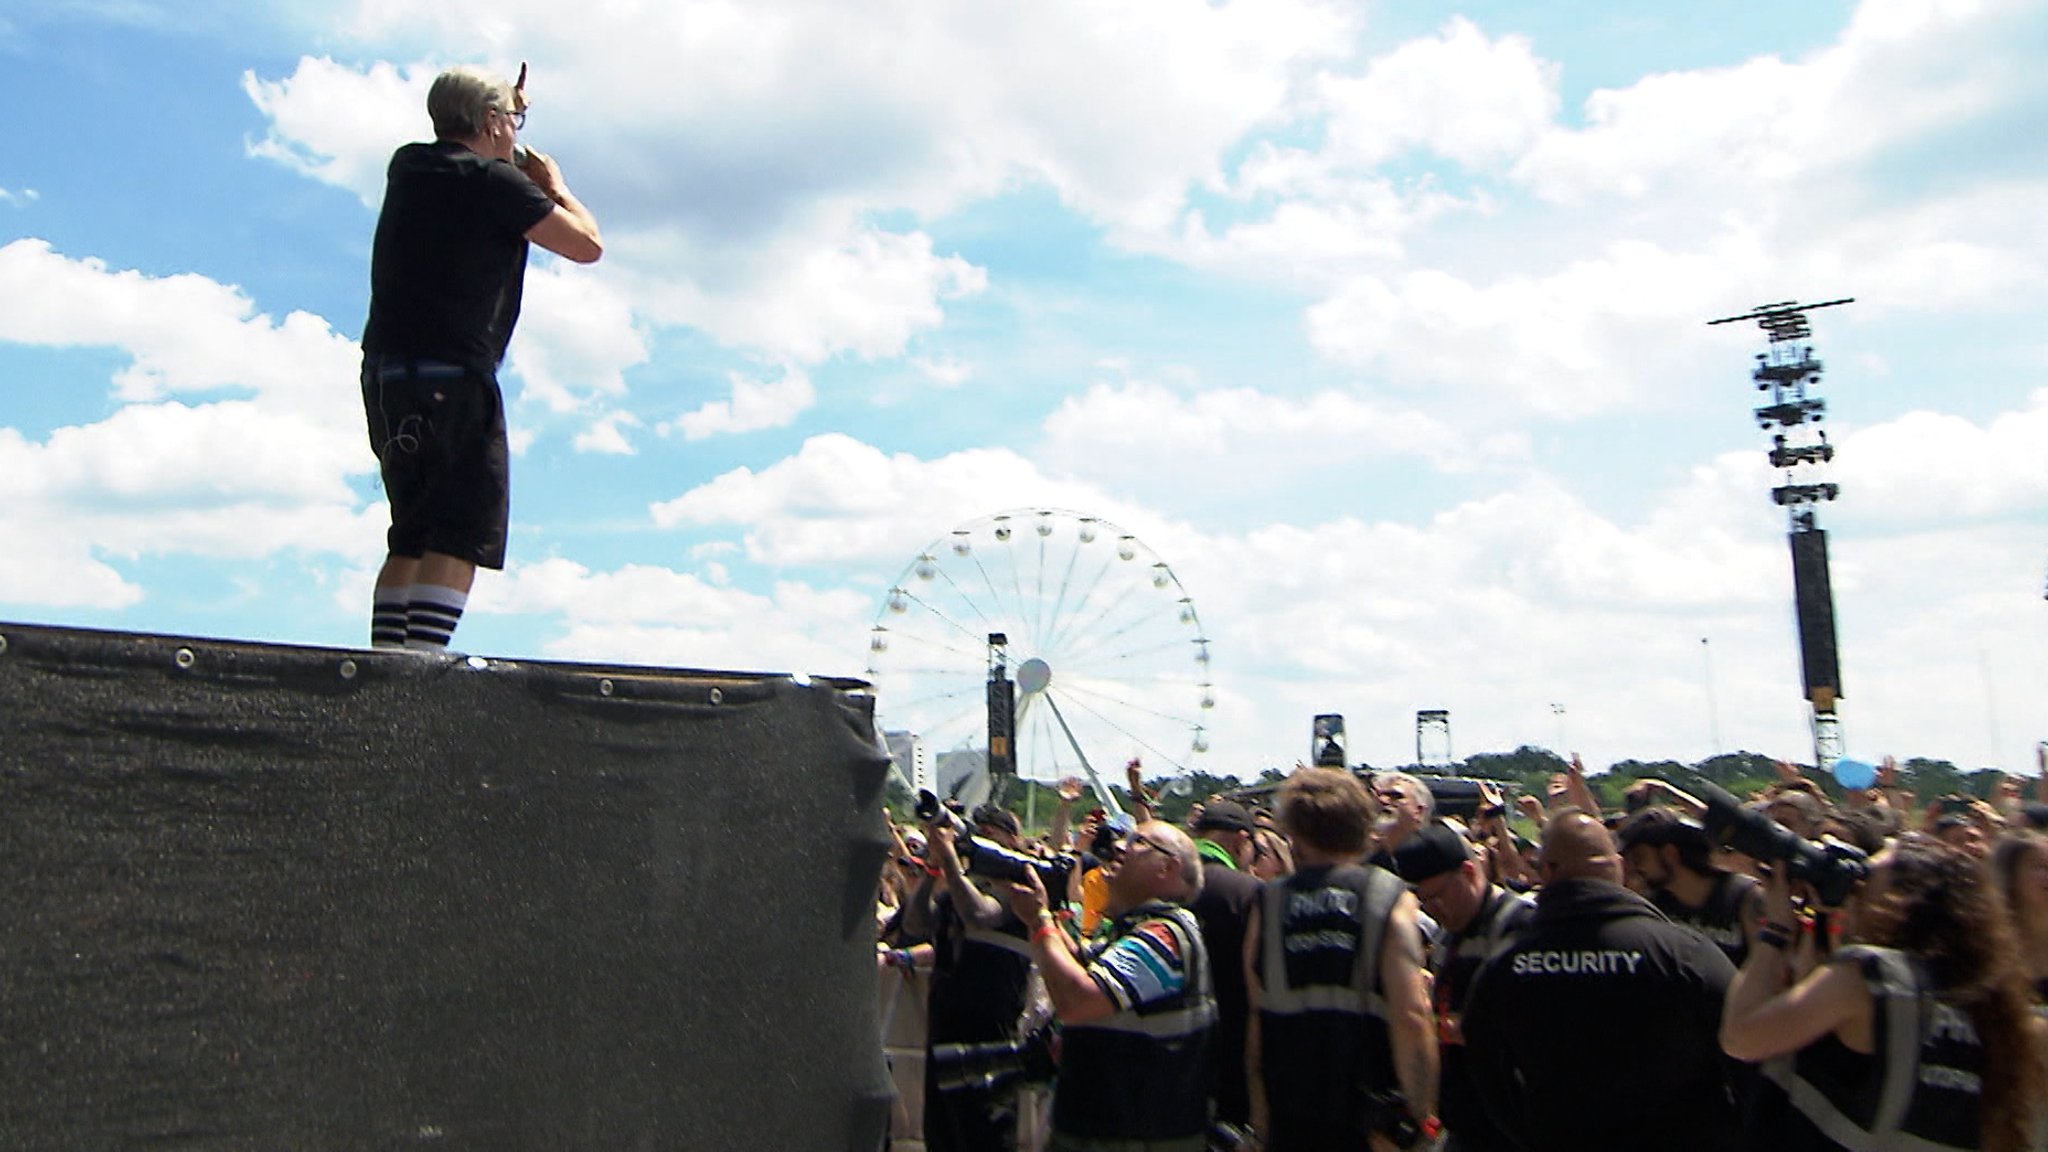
{"type": "Point", "coordinates": [449, 259]}
{"type": "Point", "coordinates": [1221, 908]}
{"type": "Point", "coordinates": [977, 988]}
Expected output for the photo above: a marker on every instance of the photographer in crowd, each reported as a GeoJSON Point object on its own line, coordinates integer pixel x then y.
{"type": "Point", "coordinates": [1135, 1008]}
{"type": "Point", "coordinates": [1595, 1028]}
{"type": "Point", "coordinates": [1341, 1047]}
{"type": "Point", "coordinates": [1918, 1034]}
{"type": "Point", "coordinates": [981, 964]}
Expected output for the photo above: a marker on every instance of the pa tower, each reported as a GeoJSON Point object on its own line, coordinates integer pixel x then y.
{"type": "Point", "coordinates": [1788, 374]}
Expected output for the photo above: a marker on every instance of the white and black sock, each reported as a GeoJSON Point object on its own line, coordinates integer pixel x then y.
{"type": "Point", "coordinates": [432, 616]}
{"type": "Point", "coordinates": [388, 606]}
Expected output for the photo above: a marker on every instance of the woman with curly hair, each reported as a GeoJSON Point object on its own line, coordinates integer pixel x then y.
{"type": "Point", "coordinates": [2020, 862]}
{"type": "Point", "coordinates": [1919, 1034]}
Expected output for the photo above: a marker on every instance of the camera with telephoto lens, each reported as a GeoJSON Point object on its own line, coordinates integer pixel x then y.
{"type": "Point", "coordinates": [990, 860]}
{"type": "Point", "coordinates": [1832, 867]}
{"type": "Point", "coordinates": [996, 1064]}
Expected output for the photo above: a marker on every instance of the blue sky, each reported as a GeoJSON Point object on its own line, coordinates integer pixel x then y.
{"type": "Point", "coordinates": [1382, 325]}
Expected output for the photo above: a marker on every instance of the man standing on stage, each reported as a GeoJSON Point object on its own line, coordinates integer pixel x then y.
{"type": "Point", "coordinates": [446, 271]}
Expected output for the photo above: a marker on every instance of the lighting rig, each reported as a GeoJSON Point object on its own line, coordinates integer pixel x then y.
{"type": "Point", "coordinates": [1788, 373]}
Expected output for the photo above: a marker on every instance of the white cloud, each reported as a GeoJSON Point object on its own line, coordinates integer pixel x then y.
{"type": "Point", "coordinates": [607, 435]}
{"type": "Point", "coordinates": [1459, 95]}
{"type": "Point", "coordinates": [185, 334]}
{"type": "Point", "coordinates": [864, 294]}
{"type": "Point", "coordinates": [943, 371]}
{"type": "Point", "coordinates": [576, 338]}
{"type": "Point", "coordinates": [1141, 429]}
{"type": "Point", "coordinates": [678, 619]}
{"type": "Point", "coordinates": [1567, 344]}
{"type": "Point", "coordinates": [1925, 469]}
{"type": "Point", "coordinates": [735, 152]}
{"type": "Point", "coordinates": [265, 471]}
{"type": "Point", "coordinates": [841, 501]}
{"type": "Point", "coordinates": [19, 198]}
{"type": "Point", "coordinates": [339, 125]}
{"type": "Point", "coordinates": [754, 405]}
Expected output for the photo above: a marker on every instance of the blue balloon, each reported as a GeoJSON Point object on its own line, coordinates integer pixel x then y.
{"type": "Point", "coordinates": [1855, 775]}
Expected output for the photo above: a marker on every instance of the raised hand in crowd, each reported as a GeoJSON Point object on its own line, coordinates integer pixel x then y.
{"type": "Point", "coordinates": [1577, 791]}
{"type": "Point", "coordinates": [1141, 800]}
{"type": "Point", "coordinates": [972, 902]}
{"type": "Point", "coordinates": [1057, 834]}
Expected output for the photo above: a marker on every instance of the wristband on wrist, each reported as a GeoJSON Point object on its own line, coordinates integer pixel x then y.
{"type": "Point", "coordinates": [1045, 928]}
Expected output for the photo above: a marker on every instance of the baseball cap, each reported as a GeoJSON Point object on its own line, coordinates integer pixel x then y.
{"type": "Point", "coordinates": [1430, 852]}
{"type": "Point", "coordinates": [1224, 816]}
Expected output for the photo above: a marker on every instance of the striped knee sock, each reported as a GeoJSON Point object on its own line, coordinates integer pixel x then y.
{"type": "Point", "coordinates": [431, 617]}
{"type": "Point", "coordinates": [387, 616]}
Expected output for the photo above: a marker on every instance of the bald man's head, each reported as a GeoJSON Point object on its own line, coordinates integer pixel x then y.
{"type": "Point", "coordinates": [1577, 847]}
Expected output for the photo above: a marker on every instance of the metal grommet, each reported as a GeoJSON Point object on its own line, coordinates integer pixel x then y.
{"type": "Point", "coordinates": [348, 669]}
{"type": "Point", "coordinates": [3, 645]}
{"type": "Point", "coordinates": [604, 688]}
{"type": "Point", "coordinates": [185, 658]}
{"type": "Point", "coordinates": [717, 696]}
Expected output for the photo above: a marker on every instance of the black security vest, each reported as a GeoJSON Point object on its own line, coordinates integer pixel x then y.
{"type": "Point", "coordinates": [1918, 1092]}
{"type": "Point", "coordinates": [1322, 1015]}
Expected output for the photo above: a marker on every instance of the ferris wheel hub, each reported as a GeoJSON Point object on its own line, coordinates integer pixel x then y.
{"type": "Point", "coordinates": [1033, 675]}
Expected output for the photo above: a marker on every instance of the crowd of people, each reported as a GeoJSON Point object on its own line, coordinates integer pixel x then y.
{"type": "Point", "coordinates": [1347, 968]}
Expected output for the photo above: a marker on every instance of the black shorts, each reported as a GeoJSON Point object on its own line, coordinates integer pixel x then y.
{"type": "Point", "coordinates": [438, 430]}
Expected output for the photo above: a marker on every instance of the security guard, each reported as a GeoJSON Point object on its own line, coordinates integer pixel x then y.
{"type": "Point", "coordinates": [1135, 1010]}
{"type": "Point", "coordinates": [1597, 1027]}
{"type": "Point", "coordinates": [1342, 1044]}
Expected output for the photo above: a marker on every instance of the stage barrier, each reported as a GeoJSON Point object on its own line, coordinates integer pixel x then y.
{"type": "Point", "coordinates": [277, 898]}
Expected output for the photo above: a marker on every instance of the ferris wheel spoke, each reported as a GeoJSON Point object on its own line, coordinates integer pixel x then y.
{"type": "Point", "coordinates": [1107, 639]}
{"type": "Point", "coordinates": [1087, 629]}
{"type": "Point", "coordinates": [950, 697]}
{"type": "Point", "coordinates": [1038, 598]}
{"type": "Point", "coordinates": [1120, 702]}
{"type": "Point", "coordinates": [940, 614]}
{"type": "Point", "coordinates": [1059, 605]}
{"type": "Point", "coordinates": [995, 597]}
{"type": "Point", "coordinates": [1125, 732]}
{"type": "Point", "coordinates": [1090, 660]}
{"type": "Point", "coordinates": [962, 593]}
{"type": "Point", "coordinates": [1016, 583]}
{"type": "Point", "coordinates": [1081, 605]}
{"type": "Point", "coordinates": [924, 645]}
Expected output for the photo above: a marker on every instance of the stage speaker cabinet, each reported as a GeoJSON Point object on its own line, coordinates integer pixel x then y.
{"type": "Point", "coordinates": [265, 897]}
{"type": "Point", "coordinates": [1814, 600]}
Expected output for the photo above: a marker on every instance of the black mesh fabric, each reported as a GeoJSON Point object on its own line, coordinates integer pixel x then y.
{"type": "Point", "coordinates": [274, 898]}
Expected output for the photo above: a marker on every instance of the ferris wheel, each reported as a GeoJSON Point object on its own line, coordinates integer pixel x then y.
{"type": "Point", "coordinates": [1103, 643]}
